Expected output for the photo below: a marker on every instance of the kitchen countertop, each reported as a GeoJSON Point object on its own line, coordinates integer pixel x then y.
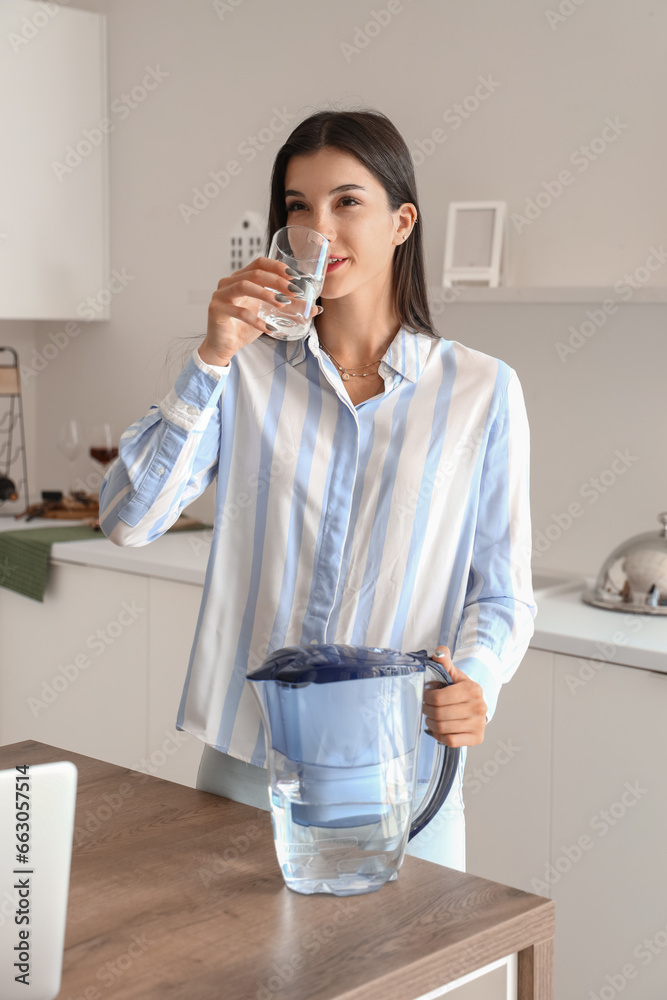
{"type": "Point", "coordinates": [181, 556]}
{"type": "Point", "coordinates": [195, 877]}
{"type": "Point", "coordinates": [178, 556]}
{"type": "Point", "coordinates": [564, 623]}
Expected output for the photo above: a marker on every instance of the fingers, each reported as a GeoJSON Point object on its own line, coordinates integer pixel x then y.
{"type": "Point", "coordinates": [452, 713]}
{"type": "Point", "coordinates": [465, 693]}
{"type": "Point", "coordinates": [441, 653]}
{"type": "Point", "coordinates": [458, 739]}
{"type": "Point", "coordinates": [231, 295]}
{"type": "Point", "coordinates": [253, 279]}
{"type": "Point", "coordinates": [464, 731]}
{"type": "Point", "coordinates": [452, 701]}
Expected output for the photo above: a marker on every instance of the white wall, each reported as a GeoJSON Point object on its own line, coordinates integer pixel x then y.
{"type": "Point", "coordinates": [607, 397]}
{"type": "Point", "coordinates": [229, 68]}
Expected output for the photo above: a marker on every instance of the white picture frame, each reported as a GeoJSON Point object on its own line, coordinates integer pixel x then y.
{"type": "Point", "coordinates": [475, 241]}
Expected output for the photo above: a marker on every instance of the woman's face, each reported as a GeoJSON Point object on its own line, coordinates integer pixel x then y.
{"type": "Point", "coordinates": [357, 222]}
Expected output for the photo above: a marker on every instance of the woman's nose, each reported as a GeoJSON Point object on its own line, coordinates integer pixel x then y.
{"type": "Point", "coordinates": [321, 225]}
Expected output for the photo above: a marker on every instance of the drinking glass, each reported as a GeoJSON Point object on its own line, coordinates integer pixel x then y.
{"type": "Point", "coordinates": [306, 251]}
{"type": "Point", "coordinates": [69, 443]}
{"type": "Point", "coordinates": [102, 448]}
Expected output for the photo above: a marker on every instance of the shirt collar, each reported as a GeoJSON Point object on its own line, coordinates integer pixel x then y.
{"type": "Point", "coordinates": [406, 354]}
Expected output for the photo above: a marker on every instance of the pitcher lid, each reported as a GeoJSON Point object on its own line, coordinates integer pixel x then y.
{"type": "Point", "coordinates": [328, 662]}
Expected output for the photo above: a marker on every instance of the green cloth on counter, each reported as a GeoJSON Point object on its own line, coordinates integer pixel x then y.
{"type": "Point", "coordinates": [25, 554]}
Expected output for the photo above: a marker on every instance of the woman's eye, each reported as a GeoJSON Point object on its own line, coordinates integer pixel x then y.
{"type": "Point", "coordinates": [299, 204]}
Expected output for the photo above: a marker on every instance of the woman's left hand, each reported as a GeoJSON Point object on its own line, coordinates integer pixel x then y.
{"type": "Point", "coordinates": [455, 714]}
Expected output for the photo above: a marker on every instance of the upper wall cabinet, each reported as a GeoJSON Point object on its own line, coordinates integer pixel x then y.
{"type": "Point", "coordinates": [53, 160]}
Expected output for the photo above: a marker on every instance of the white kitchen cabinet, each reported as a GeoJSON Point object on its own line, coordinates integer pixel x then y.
{"type": "Point", "coordinates": [53, 162]}
{"type": "Point", "coordinates": [73, 669]}
{"type": "Point", "coordinates": [609, 822]}
{"type": "Point", "coordinates": [579, 814]}
{"type": "Point", "coordinates": [98, 668]}
{"type": "Point", "coordinates": [174, 608]}
{"type": "Point", "coordinates": [506, 783]}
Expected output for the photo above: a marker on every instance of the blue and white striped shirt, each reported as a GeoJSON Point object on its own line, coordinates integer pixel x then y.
{"type": "Point", "coordinates": [402, 522]}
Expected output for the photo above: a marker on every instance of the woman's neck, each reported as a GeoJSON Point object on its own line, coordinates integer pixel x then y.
{"type": "Point", "coordinates": [353, 338]}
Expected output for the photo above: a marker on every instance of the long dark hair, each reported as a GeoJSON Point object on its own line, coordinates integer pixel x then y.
{"type": "Point", "coordinates": [375, 141]}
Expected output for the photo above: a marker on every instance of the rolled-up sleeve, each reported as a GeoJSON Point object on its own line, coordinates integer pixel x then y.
{"type": "Point", "coordinates": [498, 618]}
{"type": "Point", "coordinates": [166, 459]}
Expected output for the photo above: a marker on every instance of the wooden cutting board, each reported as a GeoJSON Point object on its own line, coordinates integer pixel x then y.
{"type": "Point", "coordinates": [64, 510]}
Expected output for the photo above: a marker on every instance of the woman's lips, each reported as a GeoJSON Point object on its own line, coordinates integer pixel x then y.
{"type": "Point", "coordinates": [336, 265]}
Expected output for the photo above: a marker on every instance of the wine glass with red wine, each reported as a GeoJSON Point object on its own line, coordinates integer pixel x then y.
{"type": "Point", "coordinates": [102, 449]}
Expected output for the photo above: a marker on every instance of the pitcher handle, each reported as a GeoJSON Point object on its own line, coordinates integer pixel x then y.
{"type": "Point", "coordinates": [446, 767]}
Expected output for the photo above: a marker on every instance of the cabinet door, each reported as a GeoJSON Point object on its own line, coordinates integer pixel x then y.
{"type": "Point", "coordinates": [174, 609]}
{"type": "Point", "coordinates": [53, 162]}
{"type": "Point", "coordinates": [506, 784]}
{"type": "Point", "coordinates": [608, 868]}
{"type": "Point", "coordinates": [73, 668]}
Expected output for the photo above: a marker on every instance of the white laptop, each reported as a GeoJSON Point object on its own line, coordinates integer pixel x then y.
{"type": "Point", "coordinates": [37, 803]}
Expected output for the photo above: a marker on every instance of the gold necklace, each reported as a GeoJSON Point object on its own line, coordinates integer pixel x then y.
{"type": "Point", "coordinates": [344, 373]}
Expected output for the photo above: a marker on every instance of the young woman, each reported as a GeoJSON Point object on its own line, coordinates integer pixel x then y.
{"type": "Point", "coordinates": [372, 477]}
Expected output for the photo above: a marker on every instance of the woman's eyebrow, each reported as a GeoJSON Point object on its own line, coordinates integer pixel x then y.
{"type": "Point", "coordinates": [342, 187]}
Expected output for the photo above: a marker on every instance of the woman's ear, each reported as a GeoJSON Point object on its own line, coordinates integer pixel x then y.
{"type": "Point", "coordinates": [407, 216]}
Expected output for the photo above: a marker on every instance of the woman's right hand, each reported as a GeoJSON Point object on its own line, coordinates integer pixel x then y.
{"type": "Point", "coordinates": [232, 313]}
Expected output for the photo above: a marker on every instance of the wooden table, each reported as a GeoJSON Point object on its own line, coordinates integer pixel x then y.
{"type": "Point", "coordinates": [176, 893]}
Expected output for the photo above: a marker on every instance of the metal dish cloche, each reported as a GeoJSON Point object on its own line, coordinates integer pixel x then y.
{"type": "Point", "coordinates": [634, 577]}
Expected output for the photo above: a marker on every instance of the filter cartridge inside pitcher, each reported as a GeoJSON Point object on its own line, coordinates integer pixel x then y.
{"type": "Point", "coordinates": [337, 832]}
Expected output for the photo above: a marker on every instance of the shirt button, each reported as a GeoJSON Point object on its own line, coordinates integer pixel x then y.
{"type": "Point", "coordinates": [313, 642]}
{"type": "Point", "coordinates": [160, 470]}
{"type": "Point", "coordinates": [192, 409]}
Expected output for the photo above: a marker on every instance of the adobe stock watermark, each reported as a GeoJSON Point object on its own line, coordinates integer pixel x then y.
{"type": "Point", "coordinates": [93, 137]}
{"type": "Point", "coordinates": [444, 296]}
{"type": "Point", "coordinates": [222, 7]}
{"type": "Point", "coordinates": [238, 845]}
{"type": "Point", "coordinates": [112, 802]}
{"type": "Point", "coordinates": [7, 570]}
{"type": "Point", "coordinates": [625, 288]}
{"type": "Point", "coordinates": [581, 158]}
{"type": "Point", "coordinates": [591, 490]}
{"type": "Point", "coordinates": [88, 309]}
{"type": "Point", "coordinates": [475, 779]}
{"type": "Point", "coordinates": [283, 971]}
{"type": "Point", "coordinates": [33, 24]}
{"type": "Point", "coordinates": [590, 668]}
{"type": "Point", "coordinates": [644, 952]}
{"type": "Point", "coordinates": [97, 642]}
{"type": "Point", "coordinates": [363, 35]}
{"type": "Point", "coordinates": [284, 459]}
{"type": "Point", "coordinates": [431, 481]}
{"type": "Point", "coordinates": [565, 10]}
{"type": "Point", "coordinates": [297, 613]}
{"type": "Point", "coordinates": [248, 149]}
{"type": "Point", "coordinates": [601, 823]}
{"type": "Point", "coordinates": [113, 970]}
{"type": "Point", "coordinates": [454, 117]}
